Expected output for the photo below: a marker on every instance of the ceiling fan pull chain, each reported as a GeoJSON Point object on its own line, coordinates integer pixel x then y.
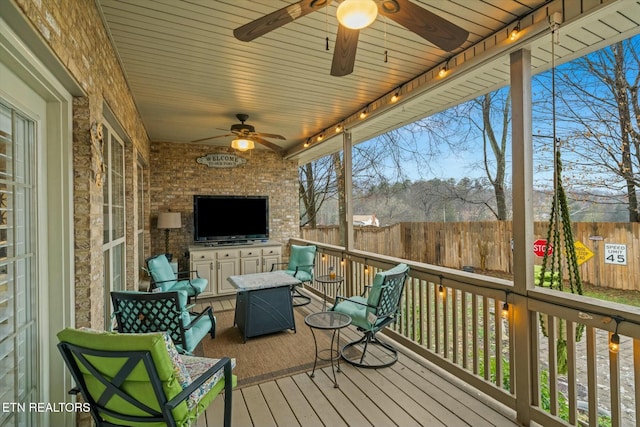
{"type": "Point", "coordinates": [386, 52]}
{"type": "Point", "coordinates": [326, 25]}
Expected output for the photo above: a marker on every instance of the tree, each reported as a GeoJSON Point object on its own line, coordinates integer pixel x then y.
{"type": "Point", "coordinates": [494, 104]}
{"type": "Point", "coordinates": [316, 185]}
{"type": "Point", "coordinates": [599, 120]}
{"type": "Point", "coordinates": [373, 162]}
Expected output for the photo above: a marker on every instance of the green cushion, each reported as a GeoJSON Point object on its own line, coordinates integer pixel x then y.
{"type": "Point", "coordinates": [197, 332]}
{"type": "Point", "coordinates": [358, 308]}
{"type": "Point", "coordinates": [137, 383]}
{"type": "Point", "coordinates": [303, 276]}
{"type": "Point", "coordinates": [303, 256]}
{"type": "Point", "coordinates": [192, 287]}
{"type": "Point", "coordinates": [161, 271]}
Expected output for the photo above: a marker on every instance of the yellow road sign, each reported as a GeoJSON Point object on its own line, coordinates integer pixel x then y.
{"type": "Point", "coordinates": [583, 253]}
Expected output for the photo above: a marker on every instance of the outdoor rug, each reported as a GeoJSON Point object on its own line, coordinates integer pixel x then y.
{"type": "Point", "coordinates": [266, 357]}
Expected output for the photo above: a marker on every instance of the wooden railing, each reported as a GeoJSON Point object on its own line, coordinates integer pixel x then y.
{"type": "Point", "coordinates": [461, 330]}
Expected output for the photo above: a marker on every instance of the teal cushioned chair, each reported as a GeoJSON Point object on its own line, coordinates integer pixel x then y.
{"type": "Point", "coordinates": [301, 263]}
{"type": "Point", "coordinates": [140, 380]}
{"type": "Point", "coordinates": [370, 313]}
{"type": "Point", "coordinates": [141, 312]}
{"type": "Point", "coordinates": [163, 277]}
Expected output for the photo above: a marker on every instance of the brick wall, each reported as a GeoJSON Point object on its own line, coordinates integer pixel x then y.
{"type": "Point", "coordinates": [176, 177]}
{"type": "Point", "coordinates": [74, 32]}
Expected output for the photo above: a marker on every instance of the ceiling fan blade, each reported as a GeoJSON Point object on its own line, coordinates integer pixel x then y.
{"type": "Point", "coordinates": [444, 34]}
{"type": "Point", "coordinates": [212, 137]}
{"type": "Point", "coordinates": [277, 19]}
{"type": "Point", "coordinates": [270, 135]}
{"type": "Point", "coordinates": [268, 144]}
{"type": "Point", "coordinates": [344, 53]}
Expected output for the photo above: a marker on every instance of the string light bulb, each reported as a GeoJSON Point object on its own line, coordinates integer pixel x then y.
{"type": "Point", "coordinates": [443, 71]}
{"type": "Point", "coordinates": [338, 128]}
{"type": "Point", "coordinates": [515, 32]}
{"type": "Point", "coordinates": [614, 341]}
{"type": "Point", "coordinates": [320, 137]}
{"type": "Point", "coordinates": [441, 291]}
{"type": "Point", "coordinates": [363, 114]}
{"type": "Point", "coordinates": [306, 143]}
{"type": "Point", "coordinates": [395, 96]}
{"type": "Point", "coordinates": [505, 311]}
{"type": "Point", "coordinates": [342, 261]}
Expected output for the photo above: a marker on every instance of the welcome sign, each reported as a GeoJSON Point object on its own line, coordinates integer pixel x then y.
{"type": "Point", "coordinates": [221, 160]}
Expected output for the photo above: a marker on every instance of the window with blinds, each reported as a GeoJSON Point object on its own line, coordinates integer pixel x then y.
{"type": "Point", "coordinates": [18, 376]}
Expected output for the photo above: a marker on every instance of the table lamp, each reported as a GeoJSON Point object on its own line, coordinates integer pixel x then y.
{"type": "Point", "coordinates": [167, 221]}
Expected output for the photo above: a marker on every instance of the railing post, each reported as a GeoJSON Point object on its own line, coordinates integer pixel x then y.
{"type": "Point", "coordinates": [522, 181]}
{"type": "Point", "coordinates": [347, 163]}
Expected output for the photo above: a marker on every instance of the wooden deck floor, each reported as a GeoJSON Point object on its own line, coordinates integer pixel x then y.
{"type": "Point", "coordinates": [412, 392]}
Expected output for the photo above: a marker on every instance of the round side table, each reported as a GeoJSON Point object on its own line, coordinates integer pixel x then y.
{"type": "Point", "coordinates": [333, 321]}
{"type": "Point", "coordinates": [328, 280]}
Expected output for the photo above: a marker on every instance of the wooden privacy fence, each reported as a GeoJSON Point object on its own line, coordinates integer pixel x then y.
{"type": "Point", "coordinates": [487, 246]}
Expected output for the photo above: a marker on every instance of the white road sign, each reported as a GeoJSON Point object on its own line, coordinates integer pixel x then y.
{"type": "Point", "coordinates": [615, 254]}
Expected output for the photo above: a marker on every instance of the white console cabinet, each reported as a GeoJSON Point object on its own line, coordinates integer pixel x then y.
{"type": "Point", "coordinates": [216, 263]}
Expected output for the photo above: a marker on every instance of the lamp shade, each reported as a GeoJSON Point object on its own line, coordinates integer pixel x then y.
{"type": "Point", "coordinates": [357, 14]}
{"type": "Point", "coordinates": [169, 220]}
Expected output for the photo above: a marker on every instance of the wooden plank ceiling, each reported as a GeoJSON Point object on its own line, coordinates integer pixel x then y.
{"type": "Point", "coordinates": [190, 76]}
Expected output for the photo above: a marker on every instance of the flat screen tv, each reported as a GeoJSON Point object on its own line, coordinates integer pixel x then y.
{"type": "Point", "coordinates": [230, 218]}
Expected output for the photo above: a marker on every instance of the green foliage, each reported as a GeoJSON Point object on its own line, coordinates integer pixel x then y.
{"type": "Point", "coordinates": [493, 370]}
{"type": "Point", "coordinates": [545, 397]}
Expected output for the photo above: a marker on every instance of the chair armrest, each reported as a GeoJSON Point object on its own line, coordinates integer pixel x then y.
{"type": "Point", "coordinates": [302, 266]}
{"type": "Point", "coordinates": [224, 363]}
{"type": "Point", "coordinates": [184, 275]}
{"type": "Point", "coordinates": [163, 281]}
{"type": "Point", "coordinates": [367, 288]}
{"type": "Point", "coordinates": [278, 263]}
{"type": "Point", "coordinates": [206, 312]}
{"type": "Point", "coordinates": [339, 297]}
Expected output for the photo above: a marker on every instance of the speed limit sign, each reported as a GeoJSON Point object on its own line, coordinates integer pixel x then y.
{"type": "Point", "coordinates": [615, 254]}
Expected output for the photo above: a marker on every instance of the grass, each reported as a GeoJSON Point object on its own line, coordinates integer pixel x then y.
{"type": "Point", "coordinates": [622, 296]}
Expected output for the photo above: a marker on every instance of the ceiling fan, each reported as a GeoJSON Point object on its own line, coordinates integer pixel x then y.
{"type": "Point", "coordinates": [246, 135]}
{"type": "Point", "coordinates": [353, 15]}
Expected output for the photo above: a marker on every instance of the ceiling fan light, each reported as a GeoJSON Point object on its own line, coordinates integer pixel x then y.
{"type": "Point", "coordinates": [242, 144]}
{"type": "Point", "coordinates": [357, 14]}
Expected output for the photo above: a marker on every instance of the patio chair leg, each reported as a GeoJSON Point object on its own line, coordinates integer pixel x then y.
{"type": "Point", "coordinates": [389, 353]}
{"type": "Point", "coordinates": [296, 295]}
